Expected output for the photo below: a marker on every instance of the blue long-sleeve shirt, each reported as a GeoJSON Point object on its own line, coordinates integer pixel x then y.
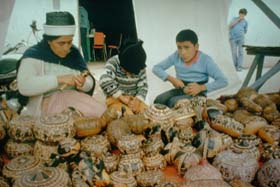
{"type": "Point", "coordinates": [200, 71]}
{"type": "Point", "coordinates": [238, 30]}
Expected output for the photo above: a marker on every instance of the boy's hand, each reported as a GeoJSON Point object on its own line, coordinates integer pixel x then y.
{"type": "Point", "coordinates": [177, 83]}
{"type": "Point", "coordinates": [193, 89]}
{"type": "Point", "coordinates": [134, 105]}
{"type": "Point", "coordinates": [125, 99]}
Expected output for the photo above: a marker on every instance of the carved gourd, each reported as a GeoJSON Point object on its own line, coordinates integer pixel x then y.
{"type": "Point", "coordinates": [44, 177]}
{"type": "Point", "coordinates": [14, 149]}
{"type": "Point", "coordinates": [20, 128]}
{"type": "Point", "coordinates": [249, 139]}
{"type": "Point", "coordinates": [52, 129]}
{"type": "Point", "coordinates": [96, 145]}
{"type": "Point", "coordinates": [186, 158]}
{"type": "Point", "coordinates": [269, 173]}
{"type": "Point", "coordinates": [246, 97]}
{"type": "Point", "coordinates": [87, 126]}
{"type": "Point", "coordinates": [252, 123]}
{"type": "Point", "coordinates": [130, 143]}
{"type": "Point", "coordinates": [44, 151]}
{"type": "Point", "coordinates": [131, 164]}
{"type": "Point", "coordinates": [227, 125]}
{"type": "Point", "coordinates": [154, 162]}
{"type": "Point", "coordinates": [270, 134]}
{"type": "Point", "coordinates": [269, 151]}
{"type": "Point", "coordinates": [68, 147]}
{"type": "Point", "coordinates": [117, 129]}
{"type": "Point", "coordinates": [111, 162]}
{"type": "Point", "coordinates": [236, 165]}
{"type": "Point", "coordinates": [150, 178]}
{"type": "Point", "coordinates": [2, 131]}
{"type": "Point", "coordinates": [160, 114]}
{"type": "Point", "coordinates": [217, 141]}
{"type": "Point", "coordinates": [153, 145]}
{"type": "Point", "coordinates": [243, 147]}
{"type": "Point", "coordinates": [122, 178]}
{"type": "Point", "coordinates": [137, 123]}
{"type": "Point", "coordinates": [168, 183]}
{"type": "Point", "coordinates": [208, 183]}
{"type": "Point", "coordinates": [20, 165]}
{"type": "Point", "coordinates": [3, 183]}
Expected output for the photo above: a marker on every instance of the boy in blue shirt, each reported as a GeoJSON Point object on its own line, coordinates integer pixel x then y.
{"type": "Point", "coordinates": [193, 69]}
{"type": "Point", "coordinates": [238, 28]}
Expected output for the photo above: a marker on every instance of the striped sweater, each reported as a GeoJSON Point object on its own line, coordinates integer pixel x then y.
{"type": "Point", "coordinates": [114, 82]}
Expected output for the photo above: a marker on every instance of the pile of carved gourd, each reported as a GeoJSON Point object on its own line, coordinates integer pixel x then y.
{"type": "Point", "coordinates": [231, 141]}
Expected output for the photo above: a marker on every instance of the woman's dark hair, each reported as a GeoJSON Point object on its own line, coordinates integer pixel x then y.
{"type": "Point", "coordinates": [49, 38]}
{"type": "Point", "coordinates": [187, 35]}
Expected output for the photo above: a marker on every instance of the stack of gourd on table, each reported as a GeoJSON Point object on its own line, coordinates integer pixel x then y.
{"type": "Point", "coordinates": [230, 141]}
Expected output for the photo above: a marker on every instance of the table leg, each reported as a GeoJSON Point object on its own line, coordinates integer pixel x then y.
{"type": "Point", "coordinates": [260, 67]}
{"type": "Point", "coordinates": [258, 84]}
{"type": "Point", "coordinates": [251, 70]}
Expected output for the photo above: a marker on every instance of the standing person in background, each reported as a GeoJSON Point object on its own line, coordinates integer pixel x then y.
{"type": "Point", "coordinates": [238, 28]}
{"type": "Point", "coordinates": [91, 32]}
{"type": "Point", "coordinates": [84, 32]}
{"type": "Point", "coordinates": [193, 69]}
{"type": "Point", "coordinates": [53, 73]}
{"type": "Point", "coordinates": [125, 80]}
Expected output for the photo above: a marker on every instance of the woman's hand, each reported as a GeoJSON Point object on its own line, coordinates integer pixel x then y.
{"type": "Point", "coordinates": [71, 80]}
{"type": "Point", "coordinates": [79, 81]}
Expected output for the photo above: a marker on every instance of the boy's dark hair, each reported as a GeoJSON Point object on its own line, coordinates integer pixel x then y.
{"type": "Point", "coordinates": [187, 35]}
{"type": "Point", "coordinates": [243, 11]}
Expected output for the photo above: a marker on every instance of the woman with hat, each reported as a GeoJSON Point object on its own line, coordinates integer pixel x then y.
{"type": "Point", "coordinates": [124, 81]}
{"type": "Point", "coordinates": [53, 74]}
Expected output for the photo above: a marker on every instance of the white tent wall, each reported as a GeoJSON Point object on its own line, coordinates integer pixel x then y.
{"type": "Point", "coordinates": [24, 12]}
{"type": "Point", "coordinates": [159, 21]}
{"type": "Point", "coordinates": [261, 31]}
{"type": "Point", "coordinates": [6, 7]}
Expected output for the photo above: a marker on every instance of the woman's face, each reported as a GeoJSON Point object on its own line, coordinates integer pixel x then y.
{"type": "Point", "coordinates": [61, 46]}
{"type": "Point", "coordinates": [187, 50]}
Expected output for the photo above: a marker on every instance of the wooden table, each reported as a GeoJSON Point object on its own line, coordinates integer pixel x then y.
{"type": "Point", "coordinates": [260, 53]}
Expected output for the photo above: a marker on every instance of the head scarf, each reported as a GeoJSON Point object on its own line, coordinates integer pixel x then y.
{"type": "Point", "coordinates": [57, 24]}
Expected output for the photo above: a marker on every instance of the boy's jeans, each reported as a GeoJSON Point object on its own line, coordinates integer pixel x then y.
{"type": "Point", "coordinates": [237, 52]}
{"type": "Point", "coordinates": [170, 98]}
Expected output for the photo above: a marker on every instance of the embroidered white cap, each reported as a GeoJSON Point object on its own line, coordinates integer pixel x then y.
{"type": "Point", "coordinates": [59, 24]}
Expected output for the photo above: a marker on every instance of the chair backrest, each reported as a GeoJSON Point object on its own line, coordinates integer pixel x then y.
{"type": "Point", "coordinates": [120, 42]}
{"type": "Point", "coordinates": [116, 45]}
{"type": "Point", "coordinates": [99, 39]}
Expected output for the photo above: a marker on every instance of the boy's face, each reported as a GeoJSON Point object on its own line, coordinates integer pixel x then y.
{"type": "Point", "coordinates": [242, 16]}
{"type": "Point", "coordinates": [126, 72]}
{"type": "Point", "coordinates": [187, 50]}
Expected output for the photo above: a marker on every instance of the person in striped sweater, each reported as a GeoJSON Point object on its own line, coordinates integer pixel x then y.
{"type": "Point", "coordinates": [124, 81]}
